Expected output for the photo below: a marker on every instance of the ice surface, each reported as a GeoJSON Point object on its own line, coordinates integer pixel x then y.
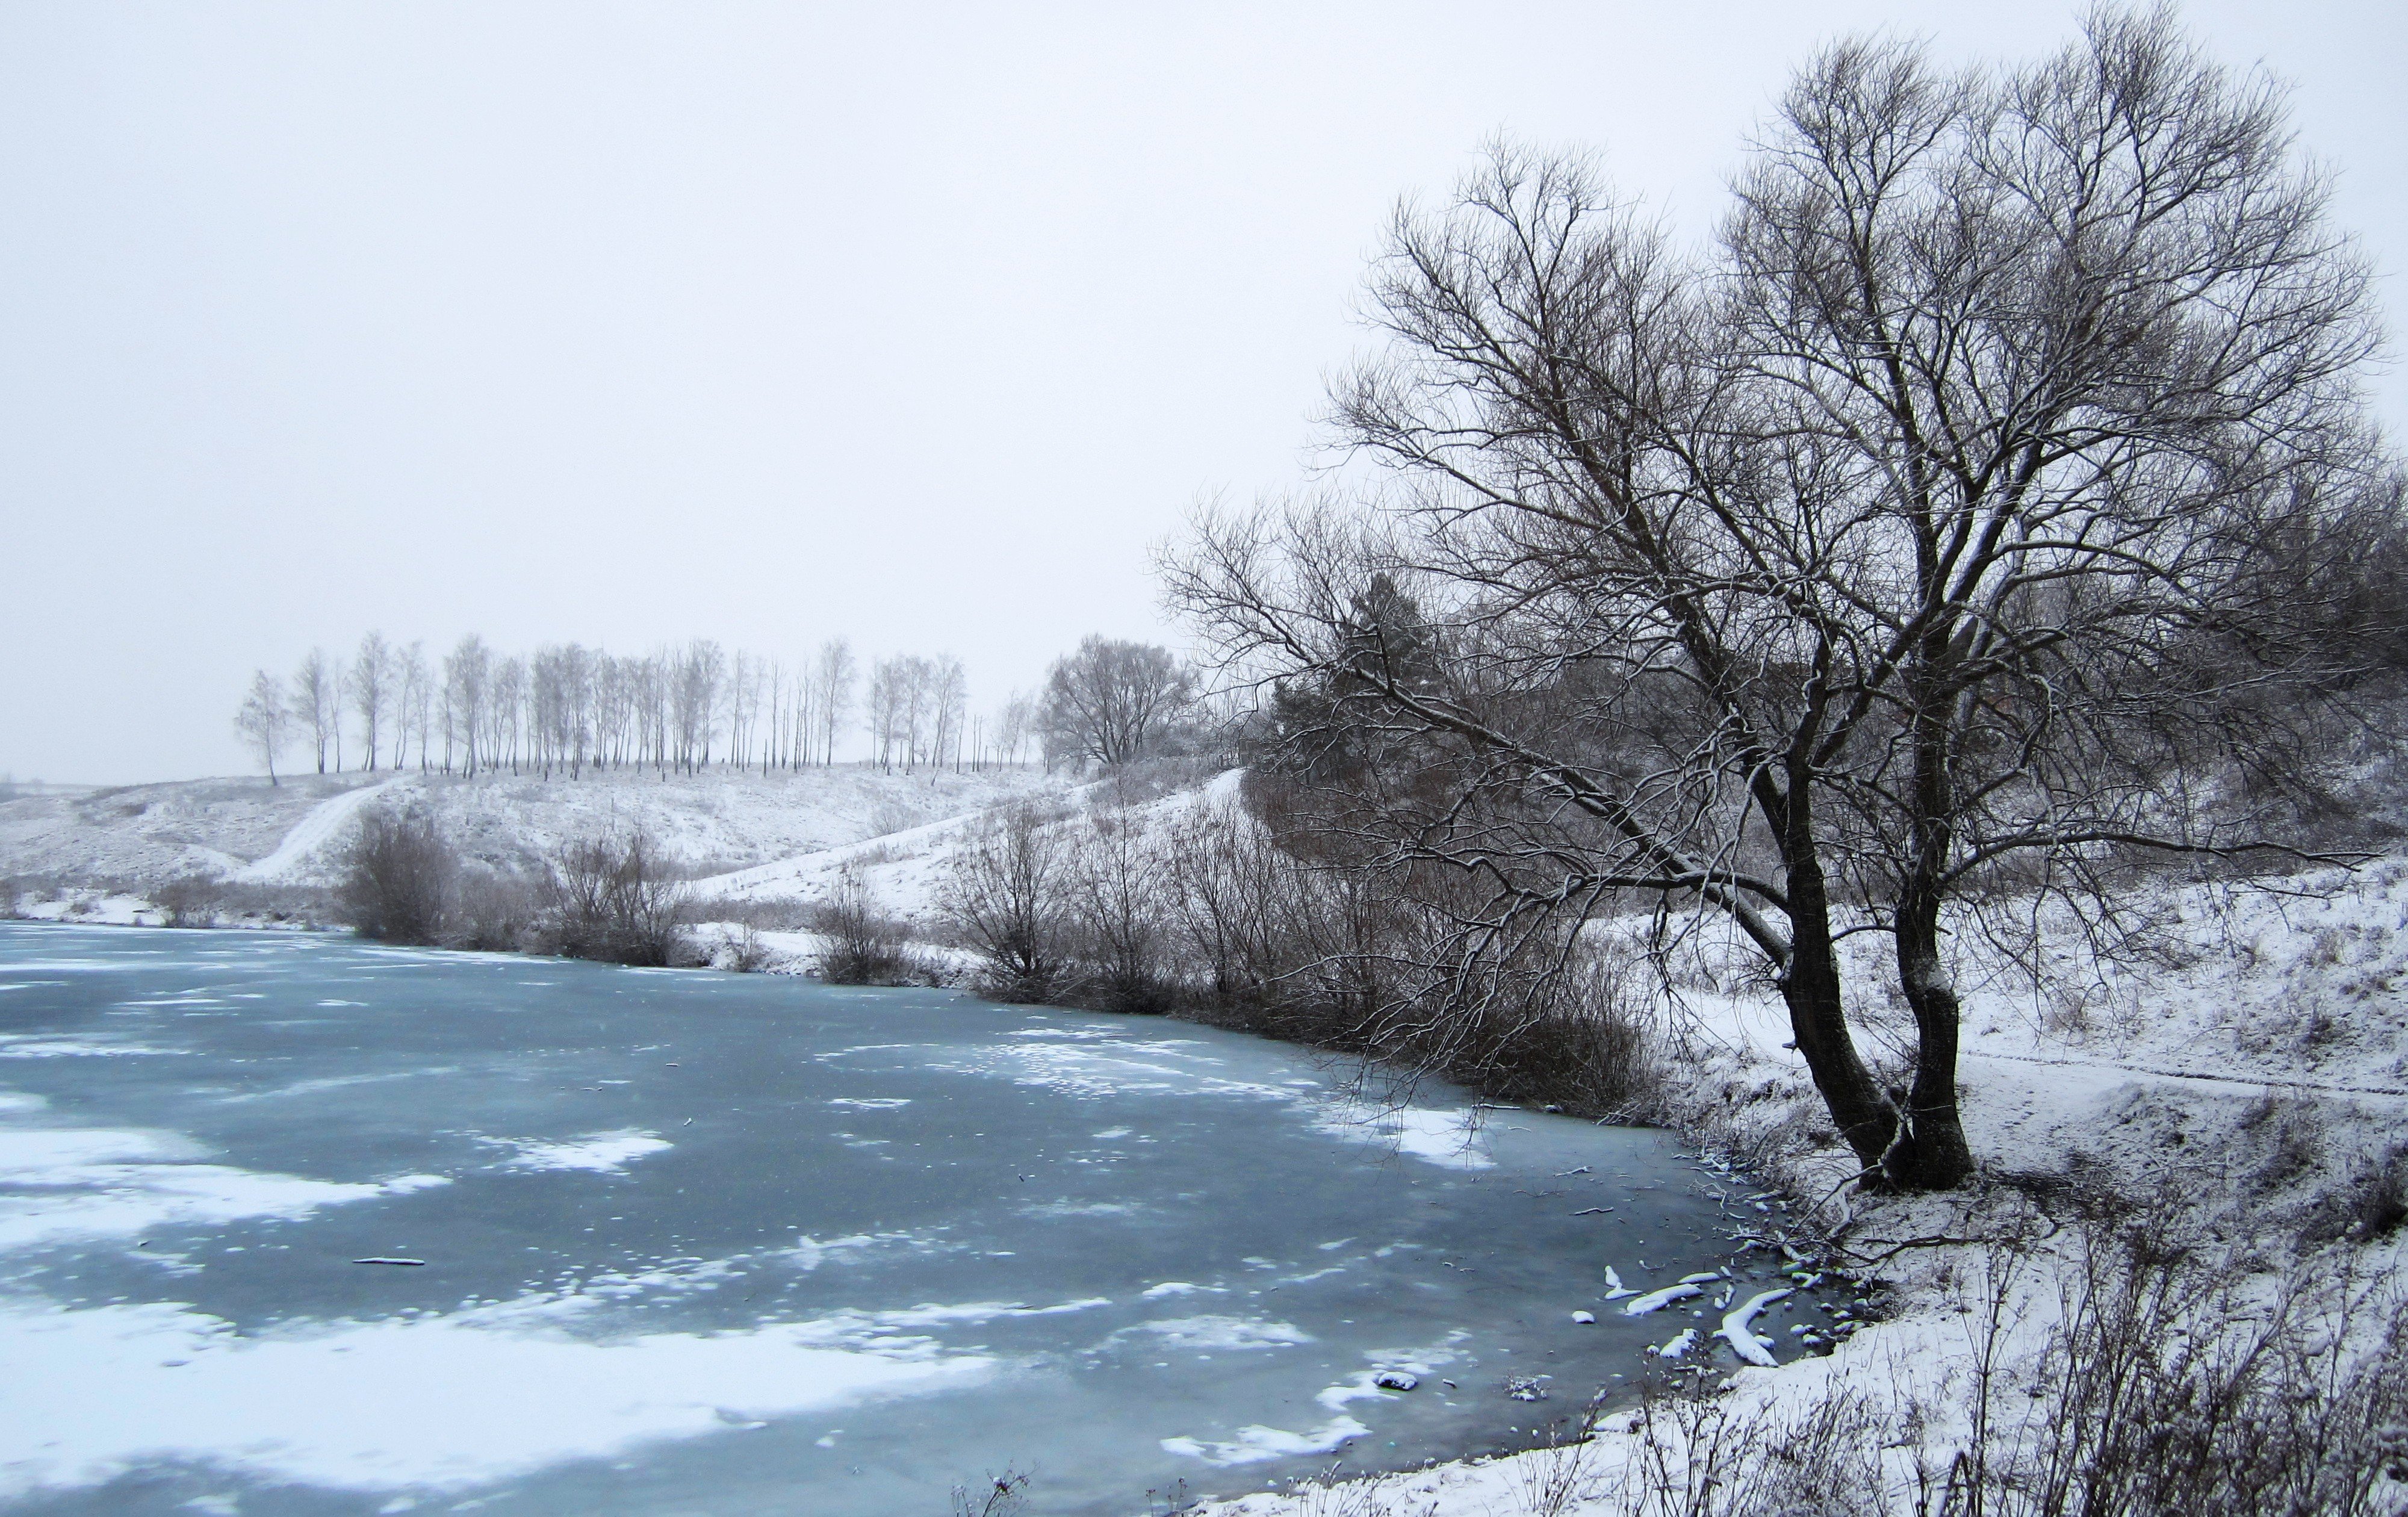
{"type": "Point", "coordinates": [679, 1229]}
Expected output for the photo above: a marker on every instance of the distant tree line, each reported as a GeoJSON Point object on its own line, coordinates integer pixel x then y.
{"type": "Point", "coordinates": [565, 709]}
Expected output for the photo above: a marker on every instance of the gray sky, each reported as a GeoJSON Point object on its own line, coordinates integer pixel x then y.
{"type": "Point", "coordinates": [627, 324]}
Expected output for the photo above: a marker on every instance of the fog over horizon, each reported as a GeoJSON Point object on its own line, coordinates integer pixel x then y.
{"type": "Point", "coordinates": [633, 324]}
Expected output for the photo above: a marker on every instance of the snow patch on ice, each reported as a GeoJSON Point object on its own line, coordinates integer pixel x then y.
{"type": "Point", "coordinates": [1658, 1300]}
{"type": "Point", "coordinates": [29, 1046]}
{"type": "Point", "coordinates": [1449, 1138]}
{"type": "Point", "coordinates": [440, 1402]}
{"type": "Point", "coordinates": [1217, 1333]}
{"type": "Point", "coordinates": [1252, 1445]}
{"type": "Point", "coordinates": [607, 1153]}
{"type": "Point", "coordinates": [68, 1183]}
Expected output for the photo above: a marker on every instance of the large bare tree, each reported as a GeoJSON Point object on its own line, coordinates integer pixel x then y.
{"type": "Point", "coordinates": [1991, 481]}
{"type": "Point", "coordinates": [1112, 701]}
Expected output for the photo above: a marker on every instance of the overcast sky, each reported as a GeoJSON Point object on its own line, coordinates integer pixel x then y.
{"type": "Point", "coordinates": [629, 324]}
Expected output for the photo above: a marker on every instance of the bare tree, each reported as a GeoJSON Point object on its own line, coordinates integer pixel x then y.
{"type": "Point", "coordinates": [507, 712]}
{"type": "Point", "coordinates": [263, 721]}
{"type": "Point", "coordinates": [695, 696]}
{"type": "Point", "coordinates": [317, 703]}
{"type": "Point", "coordinates": [1014, 724]}
{"type": "Point", "coordinates": [372, 693]}
{"type": "Point", "coordinates": [905, 727]}
{"type": "Point", "coordinates": [949, 700]}
{"type": "Point", "coordinates": [1112, 701]}
{"type": "Point", "coordinates": [834, 673]}
{"type": "Point", "coordinates": [414, 707]}
{"type": "Point", "coordinates": [1984, 485]}
{"type": "Point", "coordinates": [467, 674]}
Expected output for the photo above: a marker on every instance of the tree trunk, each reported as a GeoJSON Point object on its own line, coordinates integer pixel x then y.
{"type": "Point", "coordinates": [1931, 1153]}
{"type": "Point", "coordinates": [1810, 987]}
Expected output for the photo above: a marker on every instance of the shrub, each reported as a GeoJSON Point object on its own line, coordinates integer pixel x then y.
{"type": "Point", "coordinates": [867, 945]}
{"type": "Point", "coordinates": [189, 900]}
{"type": "Point", "coordinates": [615, 900]}
{"type": "Point", "coordinates": [1005, 898]}
{"type": "Point", "coordinates": [495, 910]}
{"type": "Point", "coordinates": [2170, 1384]}
{"type": "Point", "coordinates": [777, 915]}
{"type": "Point", "coordinates": [2370, 1204]}
{"type": "Point", "coordinates": [398, 878]}
{"type": "Point", "coordinates": [1117, 903]}
{"type": "Point", "coordinates": [1573, 1039]}
{"type": "Point", "coordinates": [742, 953]}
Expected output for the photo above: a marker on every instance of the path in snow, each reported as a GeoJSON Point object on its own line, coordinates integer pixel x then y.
{"type": "Point", "coordinates": [2268, 1081]}
{"type": "Point", "coordinates": [325, 821]}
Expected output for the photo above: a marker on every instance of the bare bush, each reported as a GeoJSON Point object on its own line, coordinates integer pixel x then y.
{"type": "Point", "coordinates": [868, 945]}
{"type": "Point", "coordinates": [189, 900]}
{"type": "Point", "coordinates": [1701, 1454]}
{"type": "Point", "coordinates": [615, 900]}
{"type": "Point", "coordinates": [492, 910]}
{"type": "Point", "coordinates": [1574, 1039]}
{"type": "Point", "coordinates": [1229, 888]}
{"type": "Point", "coordinates": [1006, 898]}
{"type": "Point", "coordinates": [2175, 1381]}
{"type": "Point", "coordinates": [2370, 1203]}
{"type": "Point", "coordinates": [1117, 902]}
{"type": "Point", "coordinates": [742, 951]}
{"type": "Point", "coordinates": [999, 1495]}
{"type": "Point", "coordinates": [398, 878]}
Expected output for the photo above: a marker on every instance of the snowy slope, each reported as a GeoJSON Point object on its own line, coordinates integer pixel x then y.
{"type": "Point", "coordinates": [904, 870]}
{"type": "Point", "coordinates": [160, 831]}
{"type": "Point", "coordinates": [246, 830]}
{"type": "Point", "coordinates": [325, 827]}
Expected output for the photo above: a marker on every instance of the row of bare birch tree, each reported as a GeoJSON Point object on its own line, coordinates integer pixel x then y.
{"type": "Point", "coordinates": [565, 707]}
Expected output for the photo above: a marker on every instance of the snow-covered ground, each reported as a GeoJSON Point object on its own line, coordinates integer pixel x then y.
{"type": "Point", "coordinates": [248, 831]}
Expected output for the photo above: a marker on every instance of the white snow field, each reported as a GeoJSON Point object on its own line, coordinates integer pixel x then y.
{"type": "Point", "coordinates": [246, 830]}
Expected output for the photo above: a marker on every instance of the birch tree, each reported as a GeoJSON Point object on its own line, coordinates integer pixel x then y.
{"type": "Point", "coordinates": [317, 703]}
{"type": "Point", "coordinates": [263, 721]}
{"type": "Point", "coordinates": [372, 692]}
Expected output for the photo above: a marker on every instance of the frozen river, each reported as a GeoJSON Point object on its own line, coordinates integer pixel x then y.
{"type": "Point", "coordinates": [702, 1243]}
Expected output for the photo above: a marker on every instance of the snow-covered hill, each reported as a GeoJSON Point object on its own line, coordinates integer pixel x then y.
{"type": "Point", "coordinates": [246, 831]}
